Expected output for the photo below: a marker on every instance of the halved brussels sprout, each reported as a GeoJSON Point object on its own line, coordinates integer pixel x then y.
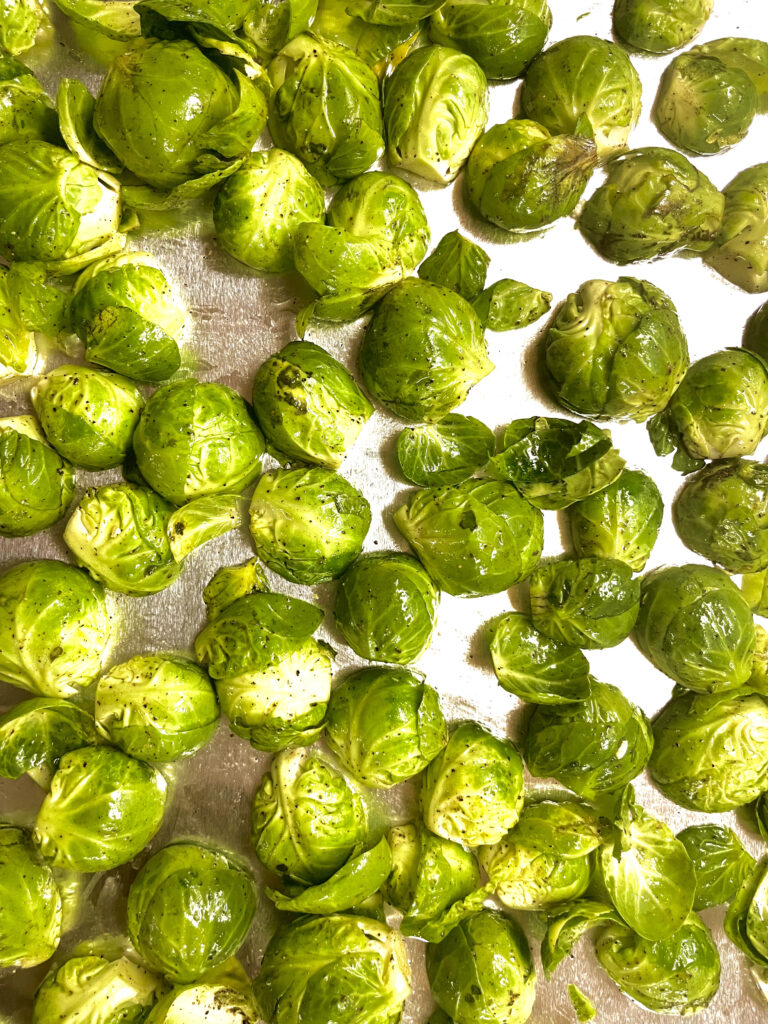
{"type": "Point", "coordinates": [521, 178]}
{"type": "Point", "coordinates": [232, 582]}
{"type": "Point", "coordinates": [385, 725]}
{"type": "Point", "coordinates": [711, 750]}
{"type": "Point", "coordinates": [36, 484]}
{"type": "Point", "coordinates": [30, 902]}
{"type": "Point", "coordinates": [20, 21]}
{"type": "Point", "coordinates": [56, 630]}
{"type": "Point", "coordinates": [474, 538]}
{"type": "Point", "coordinates": [746, 916]}
{"type": "Point", "coordinates": [197, 438]}
{"type": "Point", "coordinates": [258, 209]}
{"type": "Point", "coordinates": [221, 996]}
{"type": "Point", "coordinates": [654, 202]}
{"type": "Point", "coordinates": [26, 112]}
{"type": "Point", "coordinates": [457, 263]}
{"type": "Point", "coordinates": [119, 533]}
{"type": "Point", "coordinates": [444, 453]}
{"type": "Point", "coordinates": [584, 86]}
{"type": "Point", "coordinates": [483, 971]}
{"type": "Point", "coordinates": [615, 349]}
{"type": "Point", "coordinates": [696, 627]}
{"type": "Point", "coordinates": [308, 525]}
{"type": "Point", "coordinates": [593, 747]}
{"type": "Point", "coordinates": [748, 55]}
{"type": "Point", "coordinates": [740, 252]}
{"type": "Point", "coordinates": [508, 305]}
{"type": "Point", "coordinates": [35, 734]}
{"type": "Point", "coordinates": [307, 819]}
{"type": "Point", "coordinates": [659, 26]}
{"type": "Point", "coordinates": [535, 667]}
{"type": "Point", "coordinates": [720, 861]}
{"type": "Point", "coordinates": [102, 810]}
{"type": "Point", "coordinates": [423, 351]}
{"type": "Point", "coordinates": [472, 792]}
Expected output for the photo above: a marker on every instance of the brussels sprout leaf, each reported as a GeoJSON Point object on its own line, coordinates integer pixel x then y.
{"type": "Point", "coordinates": [566, 926]}
{"type": "Point", "coordinates": [117, 20]}
{"type": "Point", "coordinates": [201, 520]}
{"type": "Point", "coordinates": [75, 107]}
{"type": "Point", "coordinates": [457, 263]}
{"type": "Point", "coordinates": [746, 920]}
{"type": "Point", "coordinates": [233, 582]}
{"type": "Point", "coordinates": [583, 1007]}
{"type": "Point", "coordinates": [509, 305]}
{"type": "Point", "coordinates": [666, 441]}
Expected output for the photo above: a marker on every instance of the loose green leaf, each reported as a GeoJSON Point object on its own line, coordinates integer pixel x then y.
{"type": "Point", "coordinates": [75, 107]}
{"type": "Point", "coordinates": [509, 305]}
{"type": "Point", "coordinates": [535, 667]}
{"type": "Point", "coordinates": [584, 1009]}
{"type": "Point", "coordinates": [350, 886]}
{"type": "Point", "coordinates": [201, 520]}
{"type": "Point", "coordinates": [444, 453]}
{"type": "Point", "coordinates": [457, 263]}
{"type": "Point", "coordinates": [565, 927]}
{"type": "Point", "coordinates": [720, 862]}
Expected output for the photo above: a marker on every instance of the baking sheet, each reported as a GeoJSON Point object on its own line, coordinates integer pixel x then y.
{"type": "Point", "coordinates": [238, 320]}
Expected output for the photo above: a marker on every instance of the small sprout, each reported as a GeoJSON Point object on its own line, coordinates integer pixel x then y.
{"type": "Point", "coordinates": [720, 862]}
{"type": "Point", "coordinates": [535, 667]}
{"type": "Point", "coordinates": [30, 907]}
{"type": "Point", "coordinates": [447, 452]}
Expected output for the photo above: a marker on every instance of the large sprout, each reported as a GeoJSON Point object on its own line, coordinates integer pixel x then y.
{"type": "Point", "coordinates": [740, 252]}
{"type": "Point", "coordinates": [36, 484]}
{"type": "Point", "coordinates": [659, 26]}
{"type": "Point", "coordinates": [30, 902]}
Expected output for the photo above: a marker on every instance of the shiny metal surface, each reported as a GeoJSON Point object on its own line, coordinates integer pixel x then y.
{"type": "Point", "coordinates": [238, 320]}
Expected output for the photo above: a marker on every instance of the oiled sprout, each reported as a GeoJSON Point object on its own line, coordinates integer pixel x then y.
{"type": "Point", "coordinates": [659, 26]}
{"type": "Point", "coordinates": [740, 252]}
{"type": "Point", "coordinates": [30, 907]}
{"type": "Point", "coordinates": [36, 484]}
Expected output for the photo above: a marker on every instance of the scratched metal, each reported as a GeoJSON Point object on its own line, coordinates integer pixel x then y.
{"type": "Point", "coordinates": [238, 320]}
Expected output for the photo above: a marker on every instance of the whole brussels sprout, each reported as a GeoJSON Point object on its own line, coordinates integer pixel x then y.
{"type": "Point", "coordinates": [615, 349]}
{"type": "Point", "coordinates": [307, 819]}
{"type": "Point", "coordinates": [472, 792]}
{"type": "Point", "coordinates": [30, 907]}
{"type": "Point", "coordinates": [447, 452]}
{"type": "Point", "coordinates": [386, 607]}
{"type": "Point", "coordinates": [103, 809]}
{"type": "Point", "coordinates": [654, 202]}
{"type": "Point", "coordinates": [36, 484]}
{"type": "Point", "coordinates": [677, 975]}
{"type": "Point", "coordinates": [659, 26]}
{"type": "Point", "coordinates": [189, 909]}
{"type": "Point", "coordinates": [720, 861]}
{"type": "Point", "coordinates": [483, 971]}
{"type": "Point", "coordinates": [703, 105]}
{"type": "Point", "coordinates": [89, 417]}
{"type": "Point", "coordinates": [584, 86]}
{"type": "Point", "coordinates": [535, 667]}
{"type": "Point", "coordinates": [457, 263]}
{"type": "Point", "coordinates": [696, 627]}
{"type": "Point", "coordinates": [593, 747]}
{"type": "Point", "coordinates": [308, 406]}
{"type": "Point", "coordinates": [435, 108]}
{"type": "Point", "coordinates": [157, 707]}
{"type": "Point", "coordinates": [35, 734]}
{"type": "Point", "coordinates": [722, 514]}
{"type": "Point", "coordinates": [475, 538]}
{"type": "Point", "coordinates": [521, 178]}
{"type": "Point", "coordinates": [26, 112]}
{"type": "Point", "coordinates": [502, 37]}
{"type": "Point", "coordinates": [221, 996]}
{"type": "Point", "coordinates": [56, 630]}
{"type": "Point", "coordinates": [129, 317]}
{"type": "Point", "coordinates": [20, 21]}
{"type": "Point", "coordinates": [748, 55]}
{"type": "Point", "coordinates": [197, 438]}
{"type": "Point", "coordinates": [167, 134]}
{"type": "Point", "coordinates": [423, 351]}
{"type": "Point", "coordinates": [119, 533]}
{"type": "Point", "coordinates": [343, 967]}
{"type": "Point", "coordinates": [308, 525]}
{"type": "Point", "coordinates": [325, 108]}
{"type": "Point", "coordinates": [385, 725]}
{"type": "Point", "coordinates": [258, 209]}
{"type": "Point", "coordinates": [740, 252]}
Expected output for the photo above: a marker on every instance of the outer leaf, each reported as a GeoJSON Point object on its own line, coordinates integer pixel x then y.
{"type": "Point", "coordinates": [457, 263]}
{"type": "Point", "coordinates": [720, 862]}
{"type": "Point", "coordinates": [535, 667]}
{"type": "Point", "coordinates": [201, 520]}
{"type": "Point", "coordinates": [351, 885]}
{"type": "Point", "coordinates": [566, 926]}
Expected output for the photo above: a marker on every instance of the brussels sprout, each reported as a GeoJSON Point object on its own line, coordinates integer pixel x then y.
{"type": "Point", "coordinates": [745, 919]}
{"type": "Point", "coordinates": [128, 317]}
{"type": "Point", "coordinates": [378, 45]}
{"type": "Point", "coordinates": [423, 351]}
{"type": "Point", "coordinates": [197, 438]}
{"type": "Point", "coordinates": [56, 630]}
{"type": "Point", "coordinates": [457, 263]}
{"type": "Point", "coordinates": [35, 734]}
{"type": "Point", "coordinates": [308, 406]}
{"type": "Point", "coordinates": [385, 725]}
{"type": "Point", "coordinates": [189, 909]}
{"type": "Point", "coordinates": [720, 861]}
{"type": "Point", "coordinates": [156, 707]}
{"type": "Point", "coordinates": [307, 820]}
{"type": "Point", "coordinates": [555, 462]}
{"type": "Point", "coordinates": [308, 525]}
{"type": "Point", "coordinates": [26, 112]}
{"type": "Point", "coordinates": [168, 135]}
{"type": "Point", "coordinates": [230, 583]}
{"type": "Point", "coordinates": [221, 996]}
{"type": "Point", "coordinates": [535, 667]}
{"type": "Point", "coordinates": [502, 37]}
{"type": "Point", "coordinates": [654, 202]}
{"type": "Point", "coordinates": [521, 178]}
{"type": "Point", "coordinates": [386, 607]}
{"type": "Point", "coordinates": [475, 538]}
{"type": "Point", "coordinates": [748, 55]}
{"type": "Point", "coordinates": [88, 416]}
{"type": "Point", "coordinates": [616, 349]}
{"type": "Point", "coordinates": [722, 514]}
{"type": "Point", "coordinates": [472, 792]}
{"type": "Point", "coordinates": [36, 485]}
{"type": "Point", "coordinates": [435, 108]}
{"type": "Point", "coordinates": [258, 209]}
{"type": "Point", "coordinates": [585, 602]}
{"type": "Point", "coordinates": [444, 453]}
{"type": "Point", "coordinates": [54, 209]}
{"type": "Point", "coordinates": [711, 750]}
{"type": "Point", "coordinates": [325, 108]}
{"type": "Point", "coordinates": [696, 627]}
{"type": "Point", "coordinates": [659, 26]}
{"type": "Point", "coordinates": [740, 253]}
{"type": "Point", "coordinates": [509, 305]}
{"type": "Point", "coordinates": [754, 587]}
{"type": "Point", "coordinates": [103, 809]}
{"type": "Point", "coordinates": [584, 86]}
{"type": "Point", "coordinates": [483, 971]}
{"type": "Point", "coordinates": [594, 747]}
{"type": "Point", "coordinates": [343, 967]}
{"type": "Point", "coordinates": [20, 21]}
{"type": "Point", "coordinates": [758, 680]}
{"type": "Point", "coordinates": [119, 533]}
{"type": "Point", "coordinates": [30, 903]}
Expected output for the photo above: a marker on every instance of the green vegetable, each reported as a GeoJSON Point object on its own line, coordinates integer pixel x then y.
{"type": "Point", "coordinates": [755, 337]}
{"type": "Point", "coordinates": [582, 1006]}
{"type": "Point", "coordinates": [379, 45]}
{"type": "Point", "coordinates": [75, 107]}
{"type": "Point", "coordinates": [36, 484]}
{"type": "Point", "coordinates": [748, 55]}
{"type": "Point", "coordinates": [222, 994]}
{"type": "Point", "coordinates": [447, 452]}
{"type": "Point", "coordinates": [509, 305]}
{"type": "Point", "coordinates": [740, 252]}
{"type": "Point", "coordinates": [720, 861]}
{"type": "Point", "coordinates": [745, 919]}
{"type": "Point", "coordinates": [26, 112]}
{"type": "Point", "coordinates": [754, 587]}
{"type": "Point", "coordinates": [758, 680]}
{"type": "Point", "coordinates": [565, 926]}
{"type": "Point", "coordinates": [18, 349]}
{"type": "Point", "coordinates": [230, 583]}
{"type": "Point", "coordinates": [457, 263]}
{"type": "Point", "coordinates": [30, 908]}
{"type": "Point", "coordinates": [201, 520]}
{"type": "Point", "coordinates": [659, 26]}
{"type": "Point", "coordinates": [270, 24]}
{"type": "Point", "coordinates": [535, 667]}
{"type": "Point", "coordinates": [35, 734]}
{"type": "Point", "coordinates": [20, 21]}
